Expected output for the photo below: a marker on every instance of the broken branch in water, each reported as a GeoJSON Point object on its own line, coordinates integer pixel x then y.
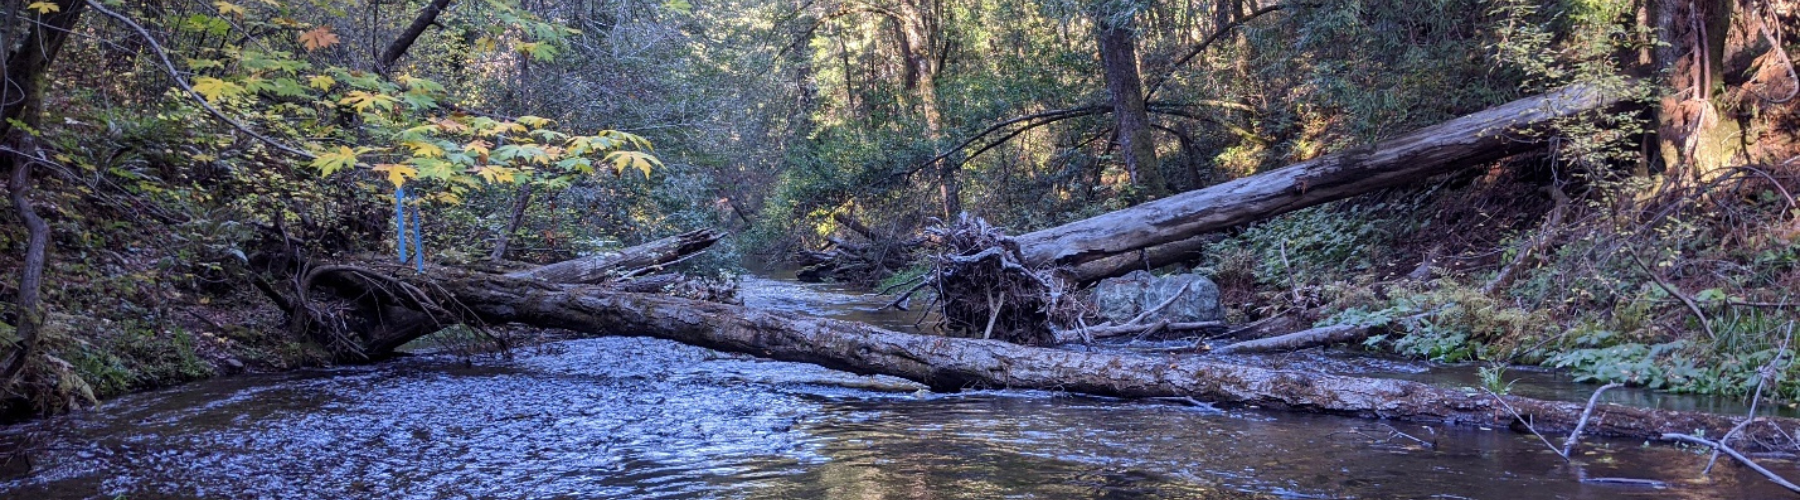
{"type": "Point", "coordinates": [1527, 423]}
{"type": "Point", "coordinates": [1735, 455]}
{"type": "Point", "coordinates": [1575, 435]}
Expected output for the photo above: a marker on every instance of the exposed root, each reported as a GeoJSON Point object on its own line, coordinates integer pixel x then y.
{"type": "Point", "coordinates": [985, 291]}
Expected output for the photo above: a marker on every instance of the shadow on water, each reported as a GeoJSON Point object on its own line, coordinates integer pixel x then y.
{"type": "Point", "coordinates": [642, 418]}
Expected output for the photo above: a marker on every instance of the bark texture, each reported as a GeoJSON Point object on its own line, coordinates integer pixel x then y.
{"type": "Point", "coordinates": [1119, 62]}
{"type": "Point", "coordinates": [27, 67]}
{"type": "Point", "coordinates": [1469, 140]}
{"type": "Point", "coordinates": [399, 46]}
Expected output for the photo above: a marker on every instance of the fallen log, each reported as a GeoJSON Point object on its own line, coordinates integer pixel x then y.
{"type": "Point", "coordinates": [384, 313]}
{"type": "Point", "coordinates": [950, 364]}
{"type": "Point", "coordinates": [1314, 337]}
{"type": "Point", "coordinates": [1163, 329]}
{"type": "Point", "coordinates": [1117, 237]}
{"type": "Point", "coordinates": [633, 261]}
{"type": "Point", "coordinates": [848, 261]}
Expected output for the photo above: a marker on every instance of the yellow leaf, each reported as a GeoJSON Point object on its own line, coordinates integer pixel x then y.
{"type": "Point", "coordinates": [318, 38]}
{"type": "Point", "coordinates": [321, 82]}
{"type": "Point", "coordinates": [425, 149]}
{"type": "Point", "coordinates": [632, 159]}
{"type": "Point", "coordinates": [397, 174]}
{"type": "Point", "coordinates": [43, 7]}
{"type": "Point", "coordinates": [478, 147]}
{"type": "Point", "coordinates": [535, 122]}
{"type": "Point", "coordinates": [332, 161]}
{"type": "Point", "coordinates": [505, 127]}
{"type": "Point", "coordinates": [228, 8]}
{"type": "Point", "coordinates": [213, 88]}
{"type": "Point", "coordinates": [362, 101]}
{"type": "Point", "coordinates": [495, 174]}
{"type": "Point", "coordinates": [449, 126]}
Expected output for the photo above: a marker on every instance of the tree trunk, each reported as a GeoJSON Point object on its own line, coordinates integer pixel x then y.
{"type": "Point", "coordinates": [1115, 239]}
{"type": "Point", "coordinates": [28, 314]}
{"type": "Point", "coordinates": [950, 364]}
{"type": "Point", "coordinates": [1118, 59]}
{"type": "Point", "coordinates": [27, 67]}
{"type": "Point", "coordinates": [917, 33]}
{"type": "Point", "coordinates": [399, 46]}
{"type": "Point", "coordinates": [520, 203]}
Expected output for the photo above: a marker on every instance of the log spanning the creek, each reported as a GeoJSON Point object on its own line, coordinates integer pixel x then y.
{"type": "Point", "coordinates": [1165, 231]}
{"type": "Point", "coordinates": [385, 313]}
{"type": "Point", "coordinates": [950, 364]}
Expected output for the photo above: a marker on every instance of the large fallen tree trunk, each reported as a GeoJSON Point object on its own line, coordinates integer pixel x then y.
{"type": "Point", "coordinates": [1110, 244]}
{"type": "Point", "coordinates": [373, 321]}
{"type": "Point", "coordinates": [949, 364]}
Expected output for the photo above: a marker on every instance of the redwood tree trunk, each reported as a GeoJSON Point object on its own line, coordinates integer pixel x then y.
{"type": "Point", "coordinates": [1118, 59]}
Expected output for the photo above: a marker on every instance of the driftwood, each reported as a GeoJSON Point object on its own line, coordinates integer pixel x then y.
{"type": "Point", "coordinates": [849, 261]}
{"type": "Point", "coordinates": [1163, 232]}
{"type": "Point", "coordinates": [1161, 328]}
{"type": "Point", "coordinates": [949, 364]}
{"type": "Point", "coordinates": [1313, 337]}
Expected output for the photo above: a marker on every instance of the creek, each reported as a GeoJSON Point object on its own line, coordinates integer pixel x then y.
{"type": "Point", "coordinates": [646, 418]}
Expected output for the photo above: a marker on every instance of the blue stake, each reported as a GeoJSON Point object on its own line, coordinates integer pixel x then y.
{"type": "Point", "coordinates": [400, 220]}
{"type": "Point", "coordinates": [419, 238]}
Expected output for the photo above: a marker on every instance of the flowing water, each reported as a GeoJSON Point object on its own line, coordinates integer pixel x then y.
{"type": "Point", "coordinates": [643, 418]}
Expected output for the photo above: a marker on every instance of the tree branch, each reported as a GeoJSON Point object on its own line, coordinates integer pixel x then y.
{"type": "Point", "coordinates": [399, 46]}
{"type": "Point", "coordinates": [1214, 37]}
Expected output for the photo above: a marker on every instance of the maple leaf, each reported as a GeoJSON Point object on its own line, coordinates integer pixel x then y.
{"type": "Point", "coordinates": [495, 174]}
{"type": "Point", "coordinates": [638, 159]}
{"type": "Point", "coordinates": [362, 101]}
{"type": "Point", "coordinates": [332, 161]}
{"type": "Point", "coordinates": [425, 149]}
{"type": "Point", "coordinates": [449, 125]}
{"type": "Point", "coordinates": [213, 88]}
{"type": "Point", "coordinates": [43, 7]}
{"type": "Point", "coordinates": [433, 168]}
{"type": "Point", "coordinates": [396, 173]}
{"type": "Point", "coordinates": [228, 8]}
{"type": "Point", "coordinates": [321, 82]}
{"type": "Point", "coordinates": [479, 148]}
{"type": "Point", "coordinates": [318, 38]}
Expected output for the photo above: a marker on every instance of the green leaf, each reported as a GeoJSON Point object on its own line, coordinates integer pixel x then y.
{"type": "Point", "coordinates": [577, 164]}
{"type": "Point", "coordinates": [433, 168]}
{"type": "Point", "coordinates": [332, 161]}
{"type": "Point", "coordinates": [418, 102]}
{"type": "Point", "coordinates": [513, 152]}
{"type": "Point", "coordinates": [214, 89]}
{"type": "Point", "coordinates": [288, 87]}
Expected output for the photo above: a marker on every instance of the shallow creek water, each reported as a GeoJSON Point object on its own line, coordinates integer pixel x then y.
{"type": "Point", "coordinates": [644, 418]}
